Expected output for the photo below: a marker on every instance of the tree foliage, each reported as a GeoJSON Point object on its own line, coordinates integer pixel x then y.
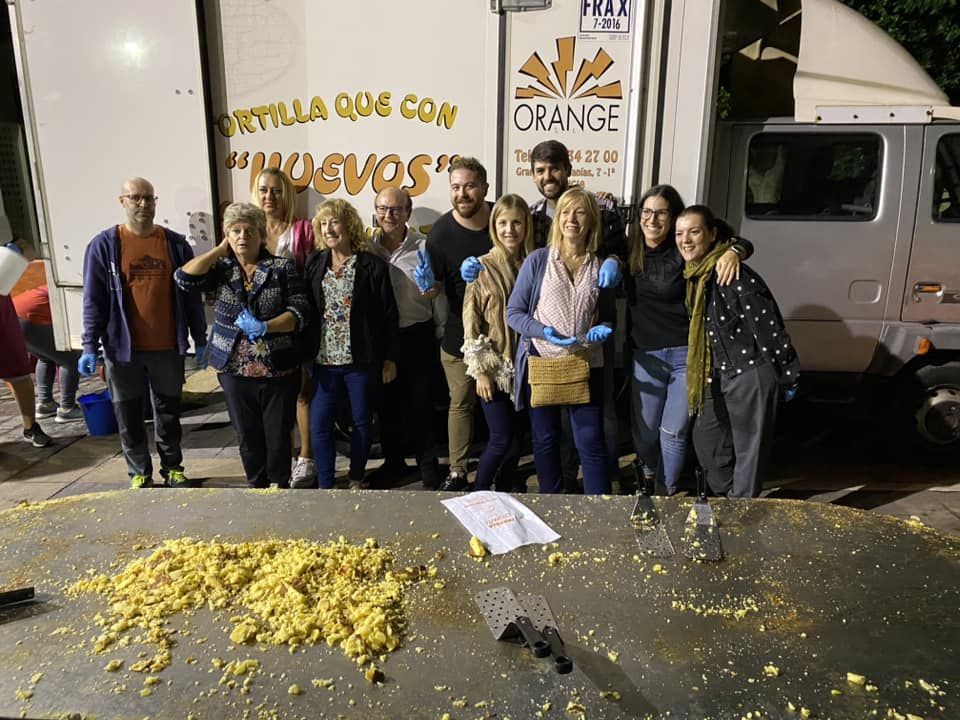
{"type": "Point", "coordinates": [928, 29]}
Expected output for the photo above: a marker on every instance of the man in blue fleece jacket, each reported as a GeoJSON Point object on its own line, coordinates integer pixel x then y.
{"type": "Point", "coordinates": [132, 307]}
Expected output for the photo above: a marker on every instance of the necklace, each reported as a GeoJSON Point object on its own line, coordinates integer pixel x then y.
{"type": "Point", "coordinates": [248, 275]}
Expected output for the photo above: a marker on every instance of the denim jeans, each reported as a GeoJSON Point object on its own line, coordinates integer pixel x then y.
{"type": "Point", "coordinates": [332, 381]}
{"type": "Point", "coordinates": [660, 410]}
{"type": "Point", "coordinates": [587, 424]}
{"type": "Point", "coordinates": [498, 462]}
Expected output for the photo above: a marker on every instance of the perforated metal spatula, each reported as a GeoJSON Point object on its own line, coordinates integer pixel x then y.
{"type": "Point", "coordinates": [652, 538]}
{"type": "Point", "coordinates": [701, 536]}
{"type": "Point", "coordinates": [538, 609]}
{"type": "Point", "coordinates": [508, 619]}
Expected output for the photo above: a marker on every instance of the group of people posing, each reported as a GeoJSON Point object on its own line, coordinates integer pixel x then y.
{"type": "Point", "coordinates": [522, 300]}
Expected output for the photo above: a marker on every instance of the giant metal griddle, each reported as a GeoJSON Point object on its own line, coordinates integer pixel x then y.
{"type": "Point", "coordinates": [825, 590]}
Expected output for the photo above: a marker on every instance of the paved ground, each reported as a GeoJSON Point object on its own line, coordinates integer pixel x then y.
{"type": "Point", "coordinates": [77, 463]}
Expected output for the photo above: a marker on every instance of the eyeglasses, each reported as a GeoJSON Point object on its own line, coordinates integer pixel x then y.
{"type": "Point", "coordinates": [648, 213]}
{"type": "Point", "coordinates": [137, 199]}
{"type": "Point", "coordinates": [390, 210]}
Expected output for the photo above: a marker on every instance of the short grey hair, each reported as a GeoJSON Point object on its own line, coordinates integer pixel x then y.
{"type": "Point", "coordinates": [244, 212]}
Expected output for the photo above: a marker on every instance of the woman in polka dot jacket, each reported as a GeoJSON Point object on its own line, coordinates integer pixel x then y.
{"type": "Point", "coordinates": [739, 362]}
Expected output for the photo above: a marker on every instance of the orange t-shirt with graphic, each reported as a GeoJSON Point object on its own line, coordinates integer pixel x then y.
{"type": "Point", "coordinates": [146, 273]}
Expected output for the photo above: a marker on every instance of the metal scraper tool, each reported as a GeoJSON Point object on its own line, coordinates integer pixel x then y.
{"type": "Point", "coordinates": [701, 536]}
{"type": "Point", "coordinates": [508, 619]}
{"type": "Point", "coordinates": [538, 609]}
{"type": "Point", "coordinates": [652, 538]}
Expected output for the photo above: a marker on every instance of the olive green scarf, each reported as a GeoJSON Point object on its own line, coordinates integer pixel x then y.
{"type": "Point", "coordinates": [697, 274]}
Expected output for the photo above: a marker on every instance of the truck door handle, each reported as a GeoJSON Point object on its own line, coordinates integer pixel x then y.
{"type": "Point", "coordinates": [930, 288]}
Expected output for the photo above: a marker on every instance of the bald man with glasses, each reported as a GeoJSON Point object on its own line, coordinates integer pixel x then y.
{"type": "Point", "coordinates": [132, 309]}
{"type": "Point", "coordinates": [405, 406]}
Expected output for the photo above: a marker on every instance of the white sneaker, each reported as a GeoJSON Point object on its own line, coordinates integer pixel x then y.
{"type": "Point", "coordinates": [304, 474]}
{"type": "Point", "coordinates": [71, 415]}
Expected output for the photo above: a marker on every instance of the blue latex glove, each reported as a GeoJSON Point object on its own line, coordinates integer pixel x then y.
{"type": "Point", "coordinates": [599, 334]}
{"type": "Point", "coordinates": [87, 365]}
{"type": "Point", "coordinates": [423, 273]}
{"type": "Point", "coordinates": [609, 273]}
{"type": "Point", "coordinates": [13, 246]}
{"type": "Point", "coordinates": [200, 357]}
{"type": "Point", "coordinates": [551, 335]}
{"type": "Point", "coordinates": [254, 329]}
{"type": "Point", "coordinates": [470, 269]}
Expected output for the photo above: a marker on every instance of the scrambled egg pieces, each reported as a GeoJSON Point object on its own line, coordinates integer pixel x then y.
{"type": "Point", "coordinates": [293, 592]}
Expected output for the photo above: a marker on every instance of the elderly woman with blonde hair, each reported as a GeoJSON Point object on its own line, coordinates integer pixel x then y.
{"type": "Point", "coordinates": [261, 307]}
{"type": "Point", "coordinates": [489, 343]}
{"type": "Point", "coordinates": [353, 339]}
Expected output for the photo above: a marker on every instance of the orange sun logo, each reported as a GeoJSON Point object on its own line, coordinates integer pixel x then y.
{"type": "Point", "coordinates": [554, 85]}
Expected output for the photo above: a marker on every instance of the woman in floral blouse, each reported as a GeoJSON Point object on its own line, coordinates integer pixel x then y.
{"type": "Point", "coordinates": [353, 338]}
{"type": "Point", "coordinates": [261, 305]}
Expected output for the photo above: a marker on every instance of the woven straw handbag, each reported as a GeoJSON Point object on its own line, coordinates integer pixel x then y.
{"type": "Point", "coordinates": [560, 380]}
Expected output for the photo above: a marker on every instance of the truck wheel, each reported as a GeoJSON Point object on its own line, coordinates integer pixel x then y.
{"type": "Point", "coordinates": [930, 403]}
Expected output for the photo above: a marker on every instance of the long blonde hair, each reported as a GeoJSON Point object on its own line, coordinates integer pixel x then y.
{"type": "Point", "coordinates": [571, 196]}
{"type": "Point", "coordinates": [513, 202]}
{"type": "Point", "coordinates": [346, 214]}
{"type": "Point", "coordinates": [286, 197]}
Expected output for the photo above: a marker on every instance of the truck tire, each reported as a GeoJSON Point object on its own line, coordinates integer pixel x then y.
{"type": "Point", "coordinates": [929, 409]}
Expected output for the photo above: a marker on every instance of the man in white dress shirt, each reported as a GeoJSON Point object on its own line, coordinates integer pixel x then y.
{"type": "Point", "coordinates": [406, 405]}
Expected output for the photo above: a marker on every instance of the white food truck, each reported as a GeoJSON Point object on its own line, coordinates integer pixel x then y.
{"type": "Point", "coordinates": [852, 202]}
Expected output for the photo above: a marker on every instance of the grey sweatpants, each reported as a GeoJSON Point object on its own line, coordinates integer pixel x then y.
{"type": "Point", "coordinates": [733, 435]}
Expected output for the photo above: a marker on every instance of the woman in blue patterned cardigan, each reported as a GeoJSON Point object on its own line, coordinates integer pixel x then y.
{"type": "Point", "coordinates": [261, 307]}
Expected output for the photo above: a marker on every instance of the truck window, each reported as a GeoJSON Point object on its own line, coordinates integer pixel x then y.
{"type": "Point", "coordinates": [813, 176]}
{"type": "Point", "coordinates": [946, 180]}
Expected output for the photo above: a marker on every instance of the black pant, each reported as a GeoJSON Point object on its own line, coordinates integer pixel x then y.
{"type": "Point", "coordinates": [158, 373]}
{"type": "Point", "coordinates": [405, 406]}
{"type": "Point", "coordinates": [733, 435]}
{"type": "Point", "coordinates": [263, 412]}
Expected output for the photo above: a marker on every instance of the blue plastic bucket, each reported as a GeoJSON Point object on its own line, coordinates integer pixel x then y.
{"type": "Point", "coordinates": [98, 412]}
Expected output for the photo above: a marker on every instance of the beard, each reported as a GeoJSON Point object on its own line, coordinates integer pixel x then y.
{"type": "Point", "coordinates": [552, 191]}
{"type": "Point", "coordinates": [468, 208]}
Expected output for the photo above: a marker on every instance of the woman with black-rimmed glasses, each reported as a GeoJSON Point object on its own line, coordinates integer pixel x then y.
{"type": "Point", "coordinates": [658, 325]}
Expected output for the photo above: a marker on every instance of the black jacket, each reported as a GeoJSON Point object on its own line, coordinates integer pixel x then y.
{"type": "Point", "coordinates": [374, 321]}
{"type": "Point", "coordinates": [745, 329]}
